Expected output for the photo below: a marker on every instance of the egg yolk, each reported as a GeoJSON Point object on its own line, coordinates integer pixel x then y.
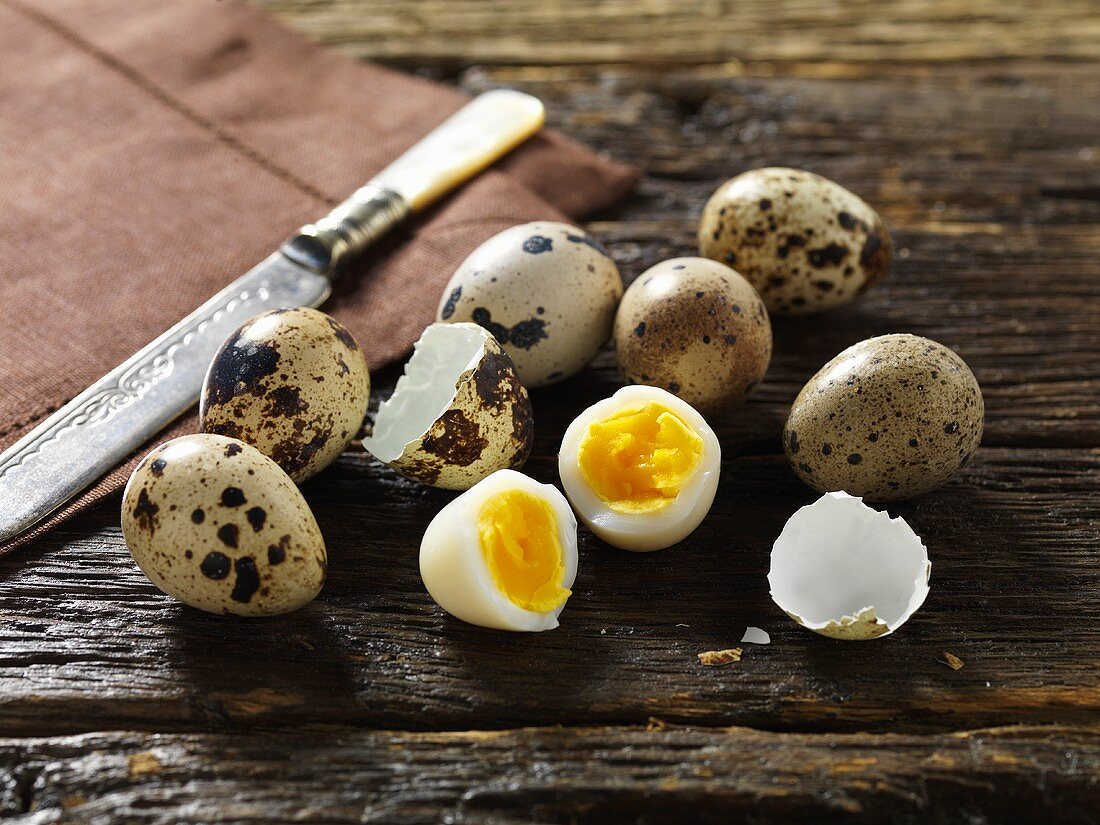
{"type": "Point", "coordinates": [638, 460]}
{"type": "Point", "coordinates": [519, 539]}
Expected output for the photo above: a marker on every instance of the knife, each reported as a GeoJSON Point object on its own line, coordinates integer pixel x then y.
{"type": "Point", "coordinates": [125, 408]}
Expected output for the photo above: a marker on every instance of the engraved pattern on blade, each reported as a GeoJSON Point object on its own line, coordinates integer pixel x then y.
{"type": "Point", "coordinates": [131, 385]}
{"type": "Point", "coordinates": [124, 409]}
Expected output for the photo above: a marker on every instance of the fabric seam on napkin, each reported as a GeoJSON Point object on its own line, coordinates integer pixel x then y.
{"type": "Point", "coordinates": [165, 98]}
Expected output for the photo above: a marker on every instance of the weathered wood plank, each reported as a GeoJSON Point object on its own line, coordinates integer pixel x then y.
{"type": "Point", "coordinates": [556, 775]}
{"type": "Point", "coordinates": [988, 178]}
{"type": "Point", "coordinates": [461, 32]}
{"type": "Point", "coordinates": [87, 643]}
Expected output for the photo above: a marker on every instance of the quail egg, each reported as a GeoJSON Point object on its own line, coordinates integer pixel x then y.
{"type": "Point", "coordinates": [457, 414]}
{"type": "Point", "coordinates": [219, 526]}
{"type": "Point", "coordinates": [291, 382]}
{"type": "Point", "coordinates": [806, 243]}
{"type": "Point", "coordinates": [640, 468]}
{"type": "Point", "coordinates": [547, 291]}
{"type": "Point", "coordinates": [889, 418]}
{"type": "Point", "coordinates": [503, 554]}
{"type": "Point", "coordinates": [696, 328]}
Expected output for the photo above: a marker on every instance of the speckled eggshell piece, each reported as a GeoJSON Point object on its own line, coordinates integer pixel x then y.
{"type": "Point", "coordinates": [887, 419]}
{"type": "Point", "coordinates": [547, 291]}
{"type": "Point", "coordinates": [291, 382]}
{"type": "Point", "coordinates": [696, 328]}
{"type": "Point", "coordinates": [488, 427]}
{"type": "Point", "coordinates": [219, 526]}
{"type": "Point", "coordinates": [807, 244]}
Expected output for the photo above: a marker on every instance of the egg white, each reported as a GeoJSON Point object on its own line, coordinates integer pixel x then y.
{"type": "Point", "coordinates": [453, 566]}
{"type": "Point", "coordinates": [641, 532]}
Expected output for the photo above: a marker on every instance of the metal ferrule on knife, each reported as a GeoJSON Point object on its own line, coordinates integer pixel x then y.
{"type": "Point", "coordinates": [347, 230]}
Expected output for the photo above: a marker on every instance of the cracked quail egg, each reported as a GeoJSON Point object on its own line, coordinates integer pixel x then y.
{"type": "Point", "coordinates": [889, 418]}
{"type": "Point", "coordinates": [640, 468]}
{"type": "Point", "coordinates": [294, 384]}
{"type": "Point", "coordinates": [219, 526]}
{"type": "Point", "coordinates": [696, 328]}
{"type": "Point", "coordinates": [457, 414]}
{"type": "Point", "coordinates": [547, 291]}
{"type": "Point", "coordinates": [503, 554]}
{"type": "Point", "coordinates": [807, 244]}
{"type": "Point", "coordinates": [845, 570]}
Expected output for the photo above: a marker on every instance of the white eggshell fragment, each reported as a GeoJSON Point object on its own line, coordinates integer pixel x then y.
{"type": "Point", "coordinates": [219, 526]}
{"type": "Point", "coordinates": [756, 636]}
{"type": "Point", "coordinates": [457, 414]}
{"type": "Point", "coordinates": [657, 528]}
{"type": "Point", "coordinates": [845, 570]}
{"type": "Point", "coordinates": [547, 291]}
{"type": "Point", "coordinates": [806, 243]}
{"type": "Point", "coordinates": [453, 563]}
{"type": "Point", "coordinates": [294, 384]}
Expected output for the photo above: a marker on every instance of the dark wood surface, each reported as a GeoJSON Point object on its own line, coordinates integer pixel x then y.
{"type": "Point", "coordinates": [973, 129]}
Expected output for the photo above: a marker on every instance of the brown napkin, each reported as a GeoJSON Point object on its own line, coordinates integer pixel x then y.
{"type": "Point", "coordinates": [150, 152]}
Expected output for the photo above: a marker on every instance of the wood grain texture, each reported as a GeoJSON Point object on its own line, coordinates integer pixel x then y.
{"type": "Point", "coordinates": [973, 129]}
{"type": "Point", "coordinates": [89, 644]}
{"type": "Point", "coordinates": [555, 775]}
{"type": "Point", "coordinates": [460, 32]}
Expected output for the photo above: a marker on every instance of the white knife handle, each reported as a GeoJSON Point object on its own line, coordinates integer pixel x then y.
{"type": "Point", "coordinates": [473, 138]}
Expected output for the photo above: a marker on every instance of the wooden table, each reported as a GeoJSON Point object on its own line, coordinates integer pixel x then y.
{"type": "Point", "coordinates": [973, 127]}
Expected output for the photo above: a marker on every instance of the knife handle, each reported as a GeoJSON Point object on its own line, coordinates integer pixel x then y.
{"type": "Point", "coordinates": [481, 132]}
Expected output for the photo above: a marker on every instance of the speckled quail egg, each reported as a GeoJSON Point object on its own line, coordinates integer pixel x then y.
{"type": "Point", "coordinates": [291, 382]}
{"type": "Point", "coordinates": [547, 291]}
{"type": "Point", "coordinates": [641, 468]}
{"type": "Point", "coordinates": [889, 418]}
{"type": "Point", "coordinates": [457, 414]}
{"type": "Point", "coordinates": [503, 554]}
{"type": "Point", "coordinates": [220, 526]}
{"type": "Point", "coordinates": [696, 328]}
{"type": "Point", "coordinates": [806, 243]}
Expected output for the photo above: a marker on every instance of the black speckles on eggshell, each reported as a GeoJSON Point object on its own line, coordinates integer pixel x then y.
{"type": "Point", "coordinates": [640, 329]}
{"type": "Point", "coordinates": [232, 449]}
{"type": "Point", "coordinates": [537, 244]}
{"type": "Point", "coordinates": [248, 580]}
{"type": "Point", "coordinates": [232, 497]}
{"type": "Point", "coordinates": [527, 333]}
{"type": "Point", "coordinates": [451, 303]}
{"type": "Point", "coordinates": [145, 512]}
{"type": "Point", "coordinates": [829, 255]}
{"type": "Point", "coordinates": [855, 458]}
{"type": "Point", "coordinates": [157, 467]}
{"type": "Point", "coordinates": [239, 367]}
{"type": "Point", "coordinates": [792, 442]}
{"type": "Point", "coordinates": [198, 515]}
{"type": "Point", "coordinates": [276, 553]}
{"type": "Point", "coordinates": [588, 240]}
{"type": "Point", "coordinates": [256, 517]}
{"type": "Point", "coordinates": [229, 535]}
{"type": "Point", "coordinates": [342, 335]}
{"type": "Point", "coordinates": [215, 565]}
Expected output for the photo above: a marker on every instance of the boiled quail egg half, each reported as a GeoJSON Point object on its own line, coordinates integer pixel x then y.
{"type": "Point", "coordinates": [503, 554]}
{"type": "Point", "coordinates": [641, 468]}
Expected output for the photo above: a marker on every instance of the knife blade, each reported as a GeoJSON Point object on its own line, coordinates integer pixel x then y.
{"type": "Point", "coordinates": [113, 417]}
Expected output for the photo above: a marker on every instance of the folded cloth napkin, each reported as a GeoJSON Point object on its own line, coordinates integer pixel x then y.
{"type": "Point", "coordinates": [151, 152]}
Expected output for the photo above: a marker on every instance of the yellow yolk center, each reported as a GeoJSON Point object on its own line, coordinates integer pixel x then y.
{"type": "Point", "coordinates": [519, 539]}
{"type": "Point", "coordinates": [638, 460]}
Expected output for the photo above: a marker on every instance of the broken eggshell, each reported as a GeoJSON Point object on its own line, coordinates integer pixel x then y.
{"type": "Point", "coordinates": [458, 414]}
{"type": "Point", "coordinates": [845, 570]}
